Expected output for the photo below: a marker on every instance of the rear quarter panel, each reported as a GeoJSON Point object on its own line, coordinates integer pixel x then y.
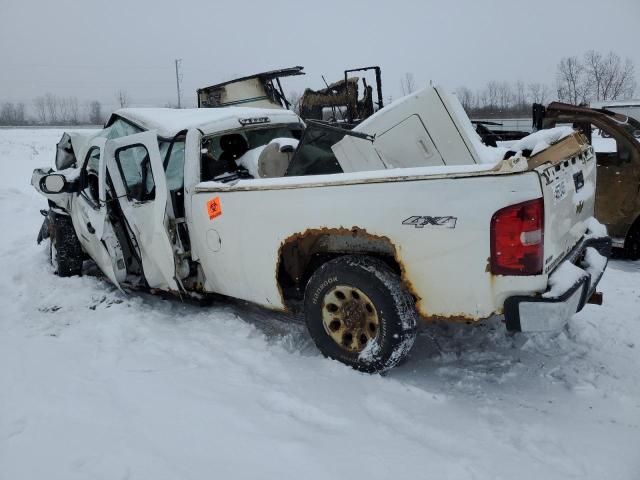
{"type": "Point", "coordinates": [446, 268]}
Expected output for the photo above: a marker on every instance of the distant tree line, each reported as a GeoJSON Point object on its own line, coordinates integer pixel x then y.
{"type": "Point", "coordinates": [579, 81]}
{"type": "Point", "coordinates": [503, 99]}
{"type": "Point", "coordinates": [13, 114]}
{"type": "Point", "coordinates": [51, 109]}
{"type": "Point", "coordinates": [595, 77]}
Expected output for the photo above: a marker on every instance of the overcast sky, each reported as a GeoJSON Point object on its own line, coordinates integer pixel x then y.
{"type": "Point", "coordinates": [91, 49]}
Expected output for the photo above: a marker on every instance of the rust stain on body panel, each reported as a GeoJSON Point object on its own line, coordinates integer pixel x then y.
{"type": "Point", "coordinates": [297, 250]}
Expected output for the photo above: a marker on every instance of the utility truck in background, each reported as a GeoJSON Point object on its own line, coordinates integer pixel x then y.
{"type": "Point", "coordinates": [407, 216]}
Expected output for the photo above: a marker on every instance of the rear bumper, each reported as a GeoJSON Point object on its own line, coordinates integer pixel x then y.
{"type": "Point", "coordinates": [552, 309]}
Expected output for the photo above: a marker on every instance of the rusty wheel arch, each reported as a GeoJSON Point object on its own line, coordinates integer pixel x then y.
{"type": "Point", "coordinates": [301, 254]}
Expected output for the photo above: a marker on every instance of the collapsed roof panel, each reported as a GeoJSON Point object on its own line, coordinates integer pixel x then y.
{"type": "Point", "coordinates": [261, 90]}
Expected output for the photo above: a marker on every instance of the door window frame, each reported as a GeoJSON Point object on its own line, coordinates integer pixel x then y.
{"type": "Point", "coordinates": [116, 156]}
{"type": "Point", "coordinates": [94, 203]}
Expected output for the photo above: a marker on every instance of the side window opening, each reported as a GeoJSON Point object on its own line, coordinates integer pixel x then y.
{"type": "Point", "coordinates": [222, 154]}
{"type": "Point", "coordinates": [602, 140]}
{"type": "Point", "coordinates": [89, 176]}
{"type": "Point", "coordinates": [134, 165]}
{"type": "Point", "coordinates": [314, 155]}
{"type": "Point", "coordinates": [609, 150]}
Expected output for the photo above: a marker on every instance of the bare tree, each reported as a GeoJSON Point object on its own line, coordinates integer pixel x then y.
{"type": "Point", "coordinates": [123, 98]}
{"type": "Point", "coordinates": [599, 77]}
{"type": "Point", "coordinates": [20, 109]}
{"type": "Point", "coordinates": [520, 96]}
{"type": "Point", "coordinates": [51, 102]}
{"type": "Point", "coordinates": [41, 109]}
{"type": "Point", "coordinates": [505, 95]}
{"type": "Point", "coordinates": [7, 113]}
{"type": "Point", "coordinates": [492, 95]}
{"type": "Point", "coordinates": [595, 69]}
{"type": "Point", "coordinates": [617, 78]}
{"type": "Point", "coordinates": [73, 109]}
{"type": "Point", "coordinates": [94, 112]}
{"type": "Point", "coordinates": [63, 109]}
{"type": "Point", "coordinates": [538, 92]}
{"type": "Point", "coordinates": [573, 82]}
{"type": "Point", "coordinates": [482, 98]}
{"type": "Point", "coordinates": [294, 101]}
{"type": "Point", "coordinates": [12, 114]}
{"type": "Point", "coordinates": [407, 83]}
{"type": "Point", "coordinates": [466, 98]}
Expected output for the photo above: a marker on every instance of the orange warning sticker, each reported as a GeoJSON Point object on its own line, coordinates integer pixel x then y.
{"type": "Point", "coordinates": [214, 209]}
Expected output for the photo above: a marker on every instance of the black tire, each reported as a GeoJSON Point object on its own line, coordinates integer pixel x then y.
{"type": "Point", "coordinates": [632, 242]}
{"type": "Point", "coordinates": [355, 342]}
{"type": "Point", "coordinates": [65, 250]}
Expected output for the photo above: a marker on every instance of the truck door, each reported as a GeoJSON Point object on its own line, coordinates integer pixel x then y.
{"type": "Point", "coordinates": [140, 185]}
{"type": "Point", "coordinates": [89, 212]}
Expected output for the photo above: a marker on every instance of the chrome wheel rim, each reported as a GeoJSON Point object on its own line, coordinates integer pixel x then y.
{"type": "Point", "coordinates": [349, 317]}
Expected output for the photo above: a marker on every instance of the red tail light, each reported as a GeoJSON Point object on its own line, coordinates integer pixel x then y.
{"type": "Point", "coordinates": [517, 239]}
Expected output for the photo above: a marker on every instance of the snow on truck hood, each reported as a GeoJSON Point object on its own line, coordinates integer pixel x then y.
{"type": "Point", "coordinates": [170, 121]}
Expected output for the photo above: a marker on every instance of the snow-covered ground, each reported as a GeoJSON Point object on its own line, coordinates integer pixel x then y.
{"type": "Point", "coordinates": [98, 384]}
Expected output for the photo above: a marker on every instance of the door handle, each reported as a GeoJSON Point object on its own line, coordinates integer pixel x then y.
{"type": "Point", "coordinates": [90, 228]}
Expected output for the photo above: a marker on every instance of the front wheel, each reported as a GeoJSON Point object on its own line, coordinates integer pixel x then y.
{"type": "Point", "coordinates": [359, 313]}
{"type": "Point", "coordinates": [64, 247]}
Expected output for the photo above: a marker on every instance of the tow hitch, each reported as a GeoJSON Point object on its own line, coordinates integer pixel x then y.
{"type": "Point", "coordinates": [596, 298]}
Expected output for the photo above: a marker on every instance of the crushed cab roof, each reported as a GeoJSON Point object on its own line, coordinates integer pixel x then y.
{"type": "Point", "coordinates": [170, 121]}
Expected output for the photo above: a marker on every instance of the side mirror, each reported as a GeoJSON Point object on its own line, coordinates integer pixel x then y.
{"type": "Point", "coordinates": [53, 183]}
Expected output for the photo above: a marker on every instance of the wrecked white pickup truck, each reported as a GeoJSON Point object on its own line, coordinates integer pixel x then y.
{"type": "Point", "coordinates": [406, 216]}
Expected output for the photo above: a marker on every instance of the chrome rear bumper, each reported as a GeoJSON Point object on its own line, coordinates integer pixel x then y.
{"type": "Point", "coordinates": [551, 310]}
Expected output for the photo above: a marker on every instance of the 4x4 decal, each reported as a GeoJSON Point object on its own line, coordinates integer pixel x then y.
{"type": "Point", "coordinates": [421, 221]}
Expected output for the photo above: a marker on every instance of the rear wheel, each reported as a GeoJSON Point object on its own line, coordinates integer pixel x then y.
{"type": "Point", "coordinates": [358, 312]}
{"type": "Point", "coordinates": [64, 248]}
